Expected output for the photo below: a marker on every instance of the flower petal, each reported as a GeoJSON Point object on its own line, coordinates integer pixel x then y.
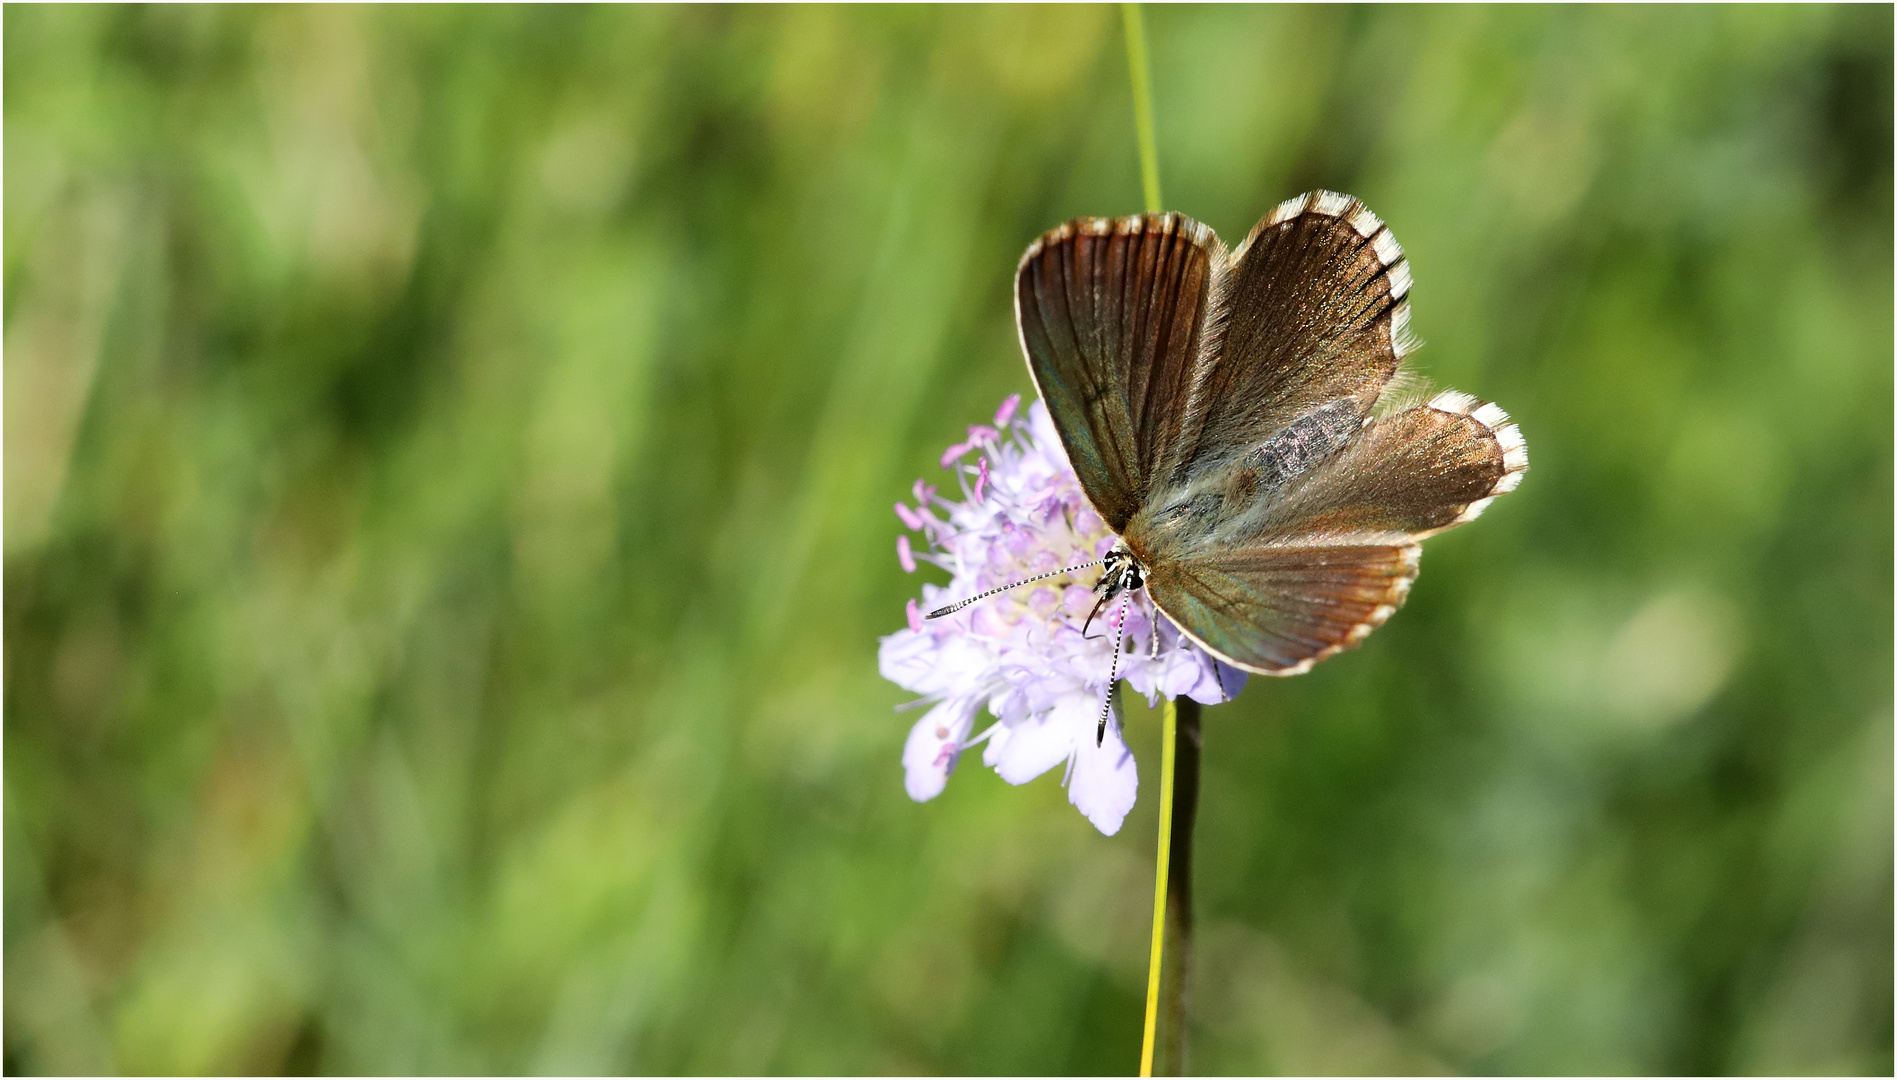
{"type": "Point", "coordinates": [926, 664]}
{"type": "Point", "coordinates": [1032, 747]}
{"type": "Point", "coordinates": [1185, 673]}
{"type": "Point", "coordinates": [934, 745]}
{"type": "Point", "coordinates": [906, 657]}
{"type": "Point", "coordinates": [1105, 782]}
{"type": "Point", "coordinates": [1217, 682]}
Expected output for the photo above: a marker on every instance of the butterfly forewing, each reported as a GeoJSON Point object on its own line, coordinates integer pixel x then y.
{"type": "Point", "coordinates": [1112, 313]}
{"type": "Point", "coordinates": [1310, 313]}
{"type": "Point", "coordinates": [1415, 472]}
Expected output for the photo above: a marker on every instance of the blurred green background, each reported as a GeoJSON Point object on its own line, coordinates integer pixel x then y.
{"type": "Point", "coordinates": [448, 460]}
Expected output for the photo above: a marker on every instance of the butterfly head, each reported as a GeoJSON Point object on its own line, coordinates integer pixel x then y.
{"type": "Point", "coordinates": [1123, 574]}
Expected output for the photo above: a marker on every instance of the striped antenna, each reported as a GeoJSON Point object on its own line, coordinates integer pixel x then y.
{"type": "Point", "coordinates": [1100, 734]}
{"type": "Point", "coordinates": [960, 604]}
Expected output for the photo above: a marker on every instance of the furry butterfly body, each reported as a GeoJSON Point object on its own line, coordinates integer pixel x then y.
{"type": "Point", "coordinates": [1226, 414]}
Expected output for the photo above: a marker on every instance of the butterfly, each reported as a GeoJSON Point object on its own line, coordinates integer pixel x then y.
{"type": "Point", "coordinates": [1233, 417]}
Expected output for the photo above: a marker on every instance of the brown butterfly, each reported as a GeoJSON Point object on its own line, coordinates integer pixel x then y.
{"type": "Point", "coordinates": [1226, 414]}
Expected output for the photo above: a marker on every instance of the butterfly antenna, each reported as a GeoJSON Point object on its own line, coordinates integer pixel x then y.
{"type": "Point", "coordinates": [1113, 674]}
{"type": "Point", "coordinates": [1152, 625]}
{"type": "Point", "coordinates": [960, 604]}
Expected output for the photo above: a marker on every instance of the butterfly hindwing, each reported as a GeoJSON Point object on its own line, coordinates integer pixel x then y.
{"type": "Point", "coordinates": [1414, 472]}
{"type": "Point", "coordinates": [1309, 569]}
{"type": "Point", "coordinates": [1112, 313]}
{"type": "Point", "coordinates": [1277, 610]}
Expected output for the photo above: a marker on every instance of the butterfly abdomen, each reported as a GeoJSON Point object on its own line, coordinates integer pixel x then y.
{"type": "Point", "coordinates": [1300, 447]}
{"type": "Point", "coordinates": [1221, 500]}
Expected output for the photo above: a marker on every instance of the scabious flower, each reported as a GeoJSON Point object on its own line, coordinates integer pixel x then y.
{"type": "Point", "coordinates": [1021, 653]}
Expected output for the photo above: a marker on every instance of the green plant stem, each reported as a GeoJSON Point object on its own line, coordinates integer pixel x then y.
{"type": "Point", "coordinates": [1162, 889]}
{"type": "Point", "coordinates": [1141, 72]}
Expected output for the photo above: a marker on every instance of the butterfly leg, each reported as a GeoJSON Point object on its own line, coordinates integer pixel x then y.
{"type": "Point", "coordinates": [1091, 615]}
{"type": "Point", "coordinates": [1113, 674]}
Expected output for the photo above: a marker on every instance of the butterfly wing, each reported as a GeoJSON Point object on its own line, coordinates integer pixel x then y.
{"type": "Point", "coordinates": [1276, 610]}
{"type": "Point", "coordinates": [1113, 318]}
{"type": "Point", "coordinates": [1413, 473]}
{"type": "Point", "coordinates": [1326, 558]}
{"type": "Point", "coordinates": [1310, 314]}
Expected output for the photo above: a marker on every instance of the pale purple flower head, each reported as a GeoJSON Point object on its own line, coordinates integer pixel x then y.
{"type": "Point", "coordinates": [1021, 653]}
